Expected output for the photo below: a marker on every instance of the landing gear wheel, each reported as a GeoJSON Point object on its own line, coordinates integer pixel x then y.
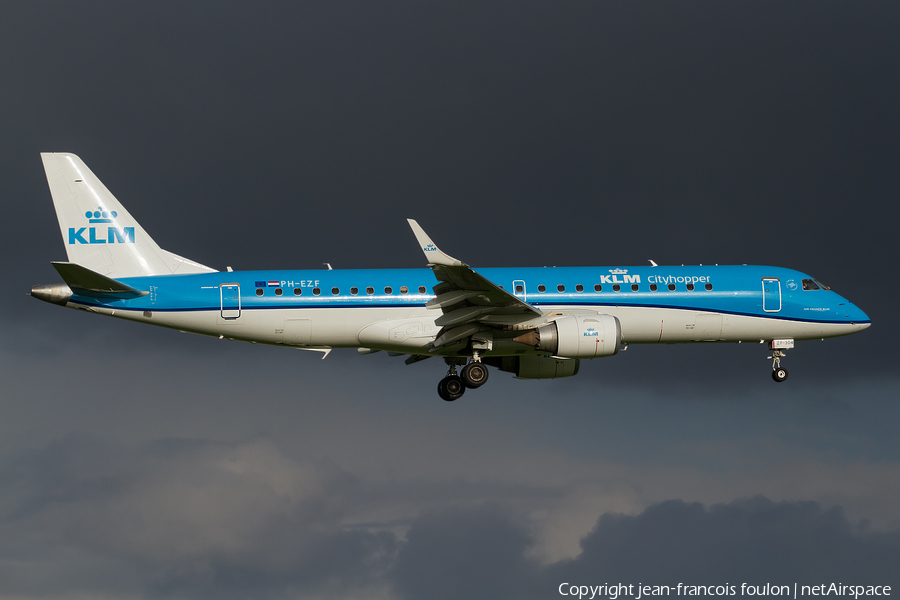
{"type": "Point", "coordinates": [451, 387]}
{"type": "Point", "coordinates": [779, 374]}
{"type": "Point", "coordinates": [474, 375]}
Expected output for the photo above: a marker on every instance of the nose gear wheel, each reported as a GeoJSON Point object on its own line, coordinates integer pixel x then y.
{"type": "Point", "coordinates": [779, 373]}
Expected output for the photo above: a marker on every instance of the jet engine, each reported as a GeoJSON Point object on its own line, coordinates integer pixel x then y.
{"type": "Point", "coordinates": [576, 336]}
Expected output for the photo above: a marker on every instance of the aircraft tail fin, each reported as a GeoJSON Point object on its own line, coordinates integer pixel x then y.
{"type": "Point", "coordinates": [98, 232]}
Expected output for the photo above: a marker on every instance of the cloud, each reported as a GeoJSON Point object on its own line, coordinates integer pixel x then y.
{"type": "Point", "coordinates": [475, 552]}
{"type": "Point", "coordinates": [209, 518]}
{"type": "Point", "coordinates": [482, 551]}
{"type": "Point", "coordinates": [752, 540]}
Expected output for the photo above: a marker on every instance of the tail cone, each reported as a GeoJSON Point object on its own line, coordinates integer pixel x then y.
{"type": "Point", "coordinates": [55, 293]}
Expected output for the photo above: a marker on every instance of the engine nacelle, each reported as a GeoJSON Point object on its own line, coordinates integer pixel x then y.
{"type": "Point", "coordinates": [535, 367]}
{"type": "Point", "coordinates": [577, 336]}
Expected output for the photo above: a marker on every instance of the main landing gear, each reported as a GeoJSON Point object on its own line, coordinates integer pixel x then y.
{"type": "Point", "coordinates": [472, 375]}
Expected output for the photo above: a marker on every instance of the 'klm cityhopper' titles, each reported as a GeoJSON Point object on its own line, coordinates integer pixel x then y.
{"type": "Point", "coordinates": [663, 279]}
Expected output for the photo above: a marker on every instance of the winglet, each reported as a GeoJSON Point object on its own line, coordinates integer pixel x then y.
{"type": "Point", "coordinates": [432, 252]}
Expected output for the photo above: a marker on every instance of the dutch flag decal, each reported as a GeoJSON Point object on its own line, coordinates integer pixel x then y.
{"type": "Point", "coordinates": [274, 283]}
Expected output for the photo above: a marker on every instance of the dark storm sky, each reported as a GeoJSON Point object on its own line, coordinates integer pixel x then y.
{"type": "Point", "coordinates": [137, 462]}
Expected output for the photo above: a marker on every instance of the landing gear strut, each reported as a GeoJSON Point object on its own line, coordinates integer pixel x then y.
{"type": "Point", "coordinates": [473, 375]}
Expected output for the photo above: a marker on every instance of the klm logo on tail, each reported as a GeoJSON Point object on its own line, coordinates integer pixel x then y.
{"type": "Point", "coordinates": [112, 235]}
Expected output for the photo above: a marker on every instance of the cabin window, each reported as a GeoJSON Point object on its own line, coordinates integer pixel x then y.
{"type": "Point", "coordinates": [690, 287]}
{"type": "Point", "coordinates": [634, 287]}
{"type": "Point", "coordinates": [708, 287]}
{"type": "Point", "coordinates": [809, 284]}
{"type": "Point", "coordinates": [579, 288]}
{"type": "Point", "coordinates": [421, 289]}
{"type": "Point", "coordinates": [598, 287]}
{"type": "Point", "coordinates": [278, 291]}
{"type": "Point", "coordinates": [560, 288]}
{"type": "Point", "coordinates": [259, 292]}
{"type": "Point", "coordinates": [652, 287]}
{"type": "Point", "coordinates": [520, 289]}
{"type": "Point", "coordinates": [542, 288]}
{"type": "Point", "coordinates": [335, 291]}
{"type": "Point", "coordinates": [616, 287]}
{"type": "Point", "coordinates": [388, 290]}
{"type": "Point", "coordinates": [354, 291]}
{"type": "Point", "coordinates": [671, 287]}
{"type": "Point", "coordinates": [370, 290]}
{"type": "Point", "coordinates": [297, 291]}
{"type": "Point", "coordinates": [404, 289]}
{"type": "Point", "coordinates": [316, 291]}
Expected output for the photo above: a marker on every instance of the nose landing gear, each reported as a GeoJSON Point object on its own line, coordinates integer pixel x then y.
{"type": "Point", "coordinates": [779, 373]}
{"type": "Point", "coordinates": [473, 375]}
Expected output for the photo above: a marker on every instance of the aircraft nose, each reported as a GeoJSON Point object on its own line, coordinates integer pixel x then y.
{"type": "Point", "coordinates": [860, 319]}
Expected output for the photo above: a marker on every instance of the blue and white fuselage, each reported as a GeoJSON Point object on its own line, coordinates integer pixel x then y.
{"type": "Point", "coordinates": [535, 322]}
{"type": "Point", "coordinates": [254, 305]}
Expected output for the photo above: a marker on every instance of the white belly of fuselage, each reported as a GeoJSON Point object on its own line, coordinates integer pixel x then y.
{"type": "Point", "coordinates": [412, 329]}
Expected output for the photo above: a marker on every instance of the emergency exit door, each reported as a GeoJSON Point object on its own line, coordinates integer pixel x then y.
{"type": "Point", "coordinates": [519, 290]}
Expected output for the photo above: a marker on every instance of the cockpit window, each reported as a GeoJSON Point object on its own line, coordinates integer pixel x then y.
{"type": "Point", "coordinates": [809, 284]}
{"type": "Point", "coordinates": [822, 285]}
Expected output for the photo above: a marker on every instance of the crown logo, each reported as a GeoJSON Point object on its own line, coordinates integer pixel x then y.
{"type": "Point", "coordinates": [618, 271]}
{"type": "Point", "coordinates": [100, 216]}
{"type": "Point", "coordinates": [430, 248]}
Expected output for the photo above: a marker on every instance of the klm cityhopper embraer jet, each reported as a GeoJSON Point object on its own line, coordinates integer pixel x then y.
{"type": "Point", "coordinates": [535, 322]}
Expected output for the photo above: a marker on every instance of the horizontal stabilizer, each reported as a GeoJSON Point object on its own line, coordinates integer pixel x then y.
{"type": "Point", "coordinates": [85, 282]}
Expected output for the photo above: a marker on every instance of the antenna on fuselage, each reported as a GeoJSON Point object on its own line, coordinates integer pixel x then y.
{"type": "Point", "coordinates": [329, 266]}
{"type": "Point", "coordinates": [653, 264]}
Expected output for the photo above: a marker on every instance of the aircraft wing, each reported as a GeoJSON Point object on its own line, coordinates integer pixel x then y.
{"type": "Point", "coordinates": [469, 301]}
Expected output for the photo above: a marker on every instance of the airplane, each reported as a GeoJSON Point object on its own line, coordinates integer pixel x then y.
{"type": "Point", "coordinates": [537, 323]}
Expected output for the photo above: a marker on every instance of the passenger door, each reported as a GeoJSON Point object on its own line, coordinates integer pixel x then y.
{"type": "Point", "coordinates": [230, 298]}
{"type": "Point", "coordinates": [771, 294]}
